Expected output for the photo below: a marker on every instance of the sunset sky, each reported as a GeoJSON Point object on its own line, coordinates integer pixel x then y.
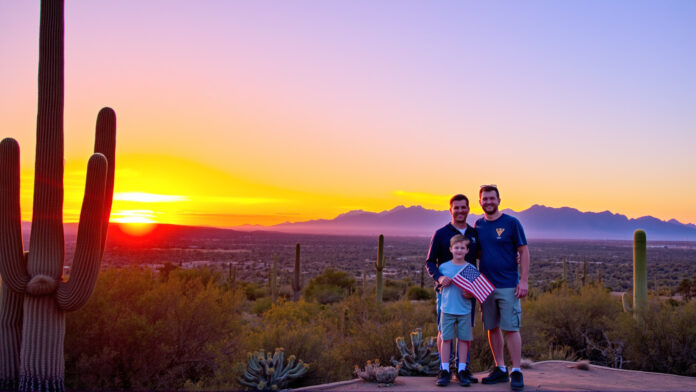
{"type": "Point", "coordinates": [260, 112]}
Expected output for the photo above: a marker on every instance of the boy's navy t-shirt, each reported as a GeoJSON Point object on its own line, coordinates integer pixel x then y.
{"type": "Point", "coordinates": [499, 240]}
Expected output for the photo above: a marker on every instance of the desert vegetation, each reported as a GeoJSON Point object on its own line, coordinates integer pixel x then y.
{"type": "Point", "coordinates": [192, 329]}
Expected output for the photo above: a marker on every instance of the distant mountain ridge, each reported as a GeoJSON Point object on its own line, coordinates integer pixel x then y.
{"type": "Point", "coordinates": [538, 221]}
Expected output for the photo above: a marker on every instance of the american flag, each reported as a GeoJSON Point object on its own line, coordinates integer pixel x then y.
{"type": "Point", "coordinates": [471, 280]}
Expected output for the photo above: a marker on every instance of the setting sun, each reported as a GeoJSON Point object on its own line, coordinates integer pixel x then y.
{"type": "Point", "coordinates": [134, 222]}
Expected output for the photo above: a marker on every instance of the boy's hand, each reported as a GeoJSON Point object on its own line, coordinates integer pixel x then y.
{"type": "Point", "coordinates": [445, 281]}
{"type": "Point", "coordinates": [467, 294]}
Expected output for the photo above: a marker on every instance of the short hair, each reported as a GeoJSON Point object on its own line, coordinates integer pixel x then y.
{"type": "Point", "coordinates": [489, 188]}
{"type": "Point", "coordinates": [458, 197]}
{"type": "Point", "coordinates": [459, 238]}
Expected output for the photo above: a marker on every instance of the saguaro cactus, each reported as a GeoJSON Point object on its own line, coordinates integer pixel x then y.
{"type": "Point", "coordinates": [640, 276]}
{"type": "Point", "coordinates": [296, 282]}
{"type": "Point", "coordinates": [34, 295]}
{"type": "Point", "coordinates": [379, 266]}
{"type": "Point", "coordinates": [273, 279]}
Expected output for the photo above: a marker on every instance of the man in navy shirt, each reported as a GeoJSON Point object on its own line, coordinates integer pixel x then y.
{"type": "Point", "coordinates": [501, 238]}
{"type": "Point", "coordinates": [439, 252]}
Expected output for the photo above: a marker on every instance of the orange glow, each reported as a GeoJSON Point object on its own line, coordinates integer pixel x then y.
{"type": "Point", "coordinates": [137, 229]}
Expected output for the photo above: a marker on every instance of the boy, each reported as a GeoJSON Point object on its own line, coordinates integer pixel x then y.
{"type": "Point", "coordinates": [456, 308]}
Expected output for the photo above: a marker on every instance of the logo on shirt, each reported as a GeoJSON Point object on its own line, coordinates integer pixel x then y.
{"type": "Point", "coordinates": [500, 231]}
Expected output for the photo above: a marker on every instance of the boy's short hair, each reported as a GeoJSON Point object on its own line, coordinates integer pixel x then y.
{"type": "Point", "coordinates": [459, 238]}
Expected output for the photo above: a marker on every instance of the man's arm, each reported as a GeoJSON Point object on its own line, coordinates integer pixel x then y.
{"type": "Point", "coordinates": [523, 288]}
{"type": "Point", "coordinates": [431, 261]}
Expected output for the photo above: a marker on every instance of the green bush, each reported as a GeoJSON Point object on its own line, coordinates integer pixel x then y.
{"type": "Point", "coordinates": [566, 317]}
{"type": "Point", "coordinates": [253, 291]}
{"type": "Point", "coordinates": [391, 294]}
{"type": "Point", "coordinates": [329, 287]}
{"type": "Point", "coordinates": [140, 332]}
{"type": "Point", "coordinates": [664, 342]}
{"type": "Point", "coordinates": [415, 293]}
{"type": "Point", "coordinates": [261, 305]}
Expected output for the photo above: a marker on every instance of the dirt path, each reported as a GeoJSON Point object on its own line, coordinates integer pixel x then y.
{"type": "Point", "coordinates": [543, 376]}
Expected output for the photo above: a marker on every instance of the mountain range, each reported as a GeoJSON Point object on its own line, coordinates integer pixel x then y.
{"type": "Point", "coordinates": [539, 222]}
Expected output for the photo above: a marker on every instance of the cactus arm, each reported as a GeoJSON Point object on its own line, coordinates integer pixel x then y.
{"type": "Point", "coordinates": [88, 251]}
{"type": "Point", "coordinates": [12, 261]}
{"type": "Point", "coordinates": [105, 143]}
{"type": "Point", "coordinates": [46, 248]}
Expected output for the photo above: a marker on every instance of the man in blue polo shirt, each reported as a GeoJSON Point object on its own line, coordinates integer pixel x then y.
{"type": "Point", "coordinates": [501, 238]}
{"type": "Point", "coordinates": [439, 253]}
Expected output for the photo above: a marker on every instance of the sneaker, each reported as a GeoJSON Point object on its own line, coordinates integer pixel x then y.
{"type": "Point", "coordinates": [516, 382]}
{"type": "Point", "coordinates": [443, 379]}
{"type": "Point", "coordinates": [472, 379]}
{"type": "Point", "coordinates": [495, 376]}
{"type": "Point", "coordinates": [465, 378]}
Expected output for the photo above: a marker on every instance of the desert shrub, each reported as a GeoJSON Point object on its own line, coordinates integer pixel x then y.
{"type": "Point", "coordinates": [415, 293]}
{"type": "Point", "coordinates": [261, 305]}
{"type": "Point", "coordinates": [299, 328]}
{"type": "Point", "coordinates": [371, 329]}
{"type": "Point", "coordinates": [139, 332]}
{"type": "Point", "coordinates": [391, 294]}
{"type": "Point", "coordinates": [566, 317]}
{"type": "Point", "coordinates": [253, 291]}
{"type": "Point", "coordinates": [664, 342]}
{"type": "Point", "coordinates": [329, 287]}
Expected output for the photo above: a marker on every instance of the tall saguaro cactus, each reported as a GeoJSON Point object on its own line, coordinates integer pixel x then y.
{"type": "Point", "coordinates": [296, 282]}
{"type": "Point", "coordinates": [379, 266]}
{"type": "Point", "coordinates": [640, 273]}
{"type": "Point", "coordinates": [640, 277]}
{"type": "Point", "coordinates": [34, 295]}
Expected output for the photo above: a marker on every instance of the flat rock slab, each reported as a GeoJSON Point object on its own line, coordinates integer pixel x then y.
{"type": "Point", "coordinates": [542, 376]}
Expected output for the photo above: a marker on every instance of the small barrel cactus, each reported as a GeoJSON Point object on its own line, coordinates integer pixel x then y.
{"type": "Point", "coordinates": [375, 373]}
{"type": "Point", "coordinates": [269, 372]}
{"type": "Point", "coordinates": [421, 359]}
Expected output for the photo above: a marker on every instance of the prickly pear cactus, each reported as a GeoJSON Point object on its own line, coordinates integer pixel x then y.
{"type": "Point", "coordinates": [35, 296]}
{"type": "Point", "coordinates": [421, 359]}
{"type": "Point", "coordinates": [269, 372]}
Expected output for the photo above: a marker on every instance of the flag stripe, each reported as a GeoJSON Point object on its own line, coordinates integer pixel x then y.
{"type": "Point", "coordinates": [471, 280]}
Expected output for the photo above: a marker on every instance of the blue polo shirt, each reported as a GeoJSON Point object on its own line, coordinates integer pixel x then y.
{"type": "Point", "coordinates": [499, 240]}
{"type": "Point", "coordinates": [439, 248]}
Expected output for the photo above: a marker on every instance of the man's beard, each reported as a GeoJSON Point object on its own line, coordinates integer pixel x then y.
{"type": "Point", "coordinates": [486, 207]}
